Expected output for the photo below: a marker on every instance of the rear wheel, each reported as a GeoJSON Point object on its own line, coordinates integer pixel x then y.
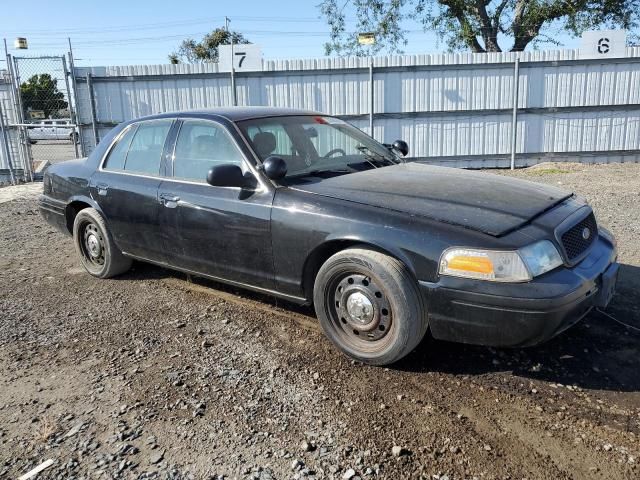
{"type": "Point", "coordinates": [369, 306]}
{"type": "Point", "coordinates": [98, 253]}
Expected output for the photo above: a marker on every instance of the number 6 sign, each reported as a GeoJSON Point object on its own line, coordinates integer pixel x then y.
{"type": "Point", "coordinates": [246, 57]}
{"type": "Point", "coordinates": [603, 44]}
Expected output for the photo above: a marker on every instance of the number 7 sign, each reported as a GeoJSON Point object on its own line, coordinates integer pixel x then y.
{"type": "Point", "coordinates": [246, 57]}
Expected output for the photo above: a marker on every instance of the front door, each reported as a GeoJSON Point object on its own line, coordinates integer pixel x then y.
{"type": "Point", "coordinates": [222, 232]}
{"type": "Point", "coordinates": [126, 188]}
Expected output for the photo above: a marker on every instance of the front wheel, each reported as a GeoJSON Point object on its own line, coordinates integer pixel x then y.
{"type": "Point", "coordinates": [369, 306]}
{"type": "Point", "coordinates": [98, 252]}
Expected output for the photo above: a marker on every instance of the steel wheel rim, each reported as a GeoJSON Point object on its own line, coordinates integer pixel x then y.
{"type": "Point", "coordinates": [360, 311]}
{"type": "Point", "coordinates": [92, 244]}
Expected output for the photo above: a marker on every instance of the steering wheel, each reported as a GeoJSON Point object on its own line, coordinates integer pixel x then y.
{"type": "Point", "coordinates": [334, 151]}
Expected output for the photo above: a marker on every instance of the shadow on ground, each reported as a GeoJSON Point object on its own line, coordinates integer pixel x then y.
{"type": "Point", "coordinates": [597, 353]}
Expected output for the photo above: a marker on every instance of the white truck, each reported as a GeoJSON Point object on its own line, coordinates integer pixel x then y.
{"type": "Point", "coordinates": [59, 129]}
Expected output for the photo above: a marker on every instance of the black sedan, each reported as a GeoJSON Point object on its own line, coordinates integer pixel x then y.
{"type": "Point", "coordinates": [308, 208]}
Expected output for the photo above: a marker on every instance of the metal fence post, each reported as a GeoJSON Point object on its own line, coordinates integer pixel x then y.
{"type": "Point", "coordinates": [371, 97]}
{"type": "Point", "coordinates": [234, 95]}
{"type": "Point", "coordinates": [514, 116]}
{"type": "Point", "coordinates": [72, 108]}
{"type": "Point", "coordinates": [92, 103]}
{"type": "Point", "coordinates": [72, 66]}
{"type": "Point", "coordinates": [5, 143]}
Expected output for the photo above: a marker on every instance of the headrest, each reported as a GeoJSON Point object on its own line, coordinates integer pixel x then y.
{"type": "Point", "coordinates": [264, 143]}
{"type": "Point", "coordinates": [202, 143]}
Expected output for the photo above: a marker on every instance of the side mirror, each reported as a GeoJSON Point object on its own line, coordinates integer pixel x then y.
{"type": "Point", "coordinates": [401, 146]}
{"type": "Point", "coordinates": [274, 167]}
{"type": "Point", "coordinates": [227, 175]}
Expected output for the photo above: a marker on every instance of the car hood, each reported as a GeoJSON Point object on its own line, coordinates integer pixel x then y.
{"type": "Point", "coordinates": [487, 203]}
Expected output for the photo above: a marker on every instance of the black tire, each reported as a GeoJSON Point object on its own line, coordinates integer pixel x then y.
{"type": "Point", "coordinates": [369, 306]}
{"type": "Point", "coordinates": [73, 137]}
{"type": "Point", "coordinates": [98, 253]}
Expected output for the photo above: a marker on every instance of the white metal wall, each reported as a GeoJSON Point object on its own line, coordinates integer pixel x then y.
{"type": "Point", "coordinates": [450, 108]}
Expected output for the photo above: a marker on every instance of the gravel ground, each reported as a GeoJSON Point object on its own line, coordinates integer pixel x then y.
{"type": "Point", "coordinates": [157, 375]}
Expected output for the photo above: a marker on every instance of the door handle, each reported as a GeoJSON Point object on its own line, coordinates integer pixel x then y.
{"type": "Point", "coordinates": [102, 188]}
{"type": "Point", "coordinates": [169, 200]}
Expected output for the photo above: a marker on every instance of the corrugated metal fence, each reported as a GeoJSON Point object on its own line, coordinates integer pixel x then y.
{"type": "Point", "coordinates": [452, 109]}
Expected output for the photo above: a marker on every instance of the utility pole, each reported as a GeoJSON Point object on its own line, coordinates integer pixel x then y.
{"type": "Point", "coordinates": [234, 97]}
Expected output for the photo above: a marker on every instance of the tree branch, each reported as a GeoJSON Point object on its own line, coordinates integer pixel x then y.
{"type": "Point", "coordinates": [498, 13]}
{"type": "Point", "coordinates": [468, 34]}
{"type": "Point", "coordinates": [489, 30]}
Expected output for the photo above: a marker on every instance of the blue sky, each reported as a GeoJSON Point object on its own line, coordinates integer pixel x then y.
{"type": "Point", "coordinates": [124, 32]}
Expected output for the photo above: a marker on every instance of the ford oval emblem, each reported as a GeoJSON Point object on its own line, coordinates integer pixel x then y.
{"type": "Point", "coordinates": [586, 233]}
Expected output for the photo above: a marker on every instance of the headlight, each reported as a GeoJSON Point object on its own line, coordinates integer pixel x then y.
{"type": "Point", "coordinates": [484, 265]}
{"type": "Point", "coordinates": [501, 266]}
{"type": "Point", "coordinates": [541, 257]}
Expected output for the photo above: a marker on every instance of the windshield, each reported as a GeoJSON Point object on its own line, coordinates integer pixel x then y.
{"type": "Point", "coordinates": [315, 146]}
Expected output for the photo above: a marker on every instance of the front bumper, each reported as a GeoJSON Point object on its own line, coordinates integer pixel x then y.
{"type": "Point", "coordinates": [521, 314]}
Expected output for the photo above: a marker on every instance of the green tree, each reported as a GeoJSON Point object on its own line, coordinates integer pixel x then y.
{"type": "Point", "coordinates": [206, 50]}
{"type": "Point", "coordinates": [41, 92]}
{"type": "Point", "coordinates": [479, 26]}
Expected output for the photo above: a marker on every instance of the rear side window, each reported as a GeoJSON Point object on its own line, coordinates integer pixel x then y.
{"type": "Point", "coordinates": [145, 151]}
{"type": "Point", "coordinates": [140, 149]}
{"type": "Point", "coordinates": [118, 154]}
{"type": "Point", "coordinates": [200, 146]}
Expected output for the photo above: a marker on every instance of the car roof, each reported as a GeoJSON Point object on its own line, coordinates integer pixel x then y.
{"type": "Point", "coordinates": [235, 114]}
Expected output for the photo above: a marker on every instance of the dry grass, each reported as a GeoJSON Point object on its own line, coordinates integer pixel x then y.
{"type": "Point", "coordinates": [46, 428]}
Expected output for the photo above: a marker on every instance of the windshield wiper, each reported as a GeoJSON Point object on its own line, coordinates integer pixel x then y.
{"type": "Point", "coordinates": [316, 172]}
{"type": "Point", "coordinates": [371, 157]}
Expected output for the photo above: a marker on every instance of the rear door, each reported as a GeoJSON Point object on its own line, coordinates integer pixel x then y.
{"type": "Point", "coordinates": [126, 188]}
{"type": "Point", "coordinates": [223, 232]}
{"type": "Point", "coordinates": [46, 130]}
{"type": "Point", "coordinates": [61, 130]}
{"type": "Point", "coordinates": [51, 130]}
{"type": "Point", "coordinates": [35, 132]}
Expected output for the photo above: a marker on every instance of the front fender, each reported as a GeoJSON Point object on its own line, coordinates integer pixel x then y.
{"type": "Point", "coordinates": [307, 229]}
{"type": "Point", "coordinates": [375, 242]}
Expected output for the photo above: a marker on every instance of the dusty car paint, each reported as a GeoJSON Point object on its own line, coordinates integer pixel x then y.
{"type": "Point", "coordinates": [273, 238]}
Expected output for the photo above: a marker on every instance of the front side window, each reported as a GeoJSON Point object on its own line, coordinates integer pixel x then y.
{"type": "Point", "coordinates": [201, 145]}
{"type": "Point", "coordinates": [315, 146]}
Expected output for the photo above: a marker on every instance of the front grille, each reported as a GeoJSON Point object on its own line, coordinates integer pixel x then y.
{"type": "Point", "coordinates": [573, 239]}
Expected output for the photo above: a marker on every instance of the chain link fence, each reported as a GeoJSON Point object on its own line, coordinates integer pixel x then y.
{"type": "Point", "coordinates": [46, 109]}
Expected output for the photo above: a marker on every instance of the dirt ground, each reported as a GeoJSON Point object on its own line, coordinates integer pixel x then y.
{"type": "Point", "coordinates": [156, 375]}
